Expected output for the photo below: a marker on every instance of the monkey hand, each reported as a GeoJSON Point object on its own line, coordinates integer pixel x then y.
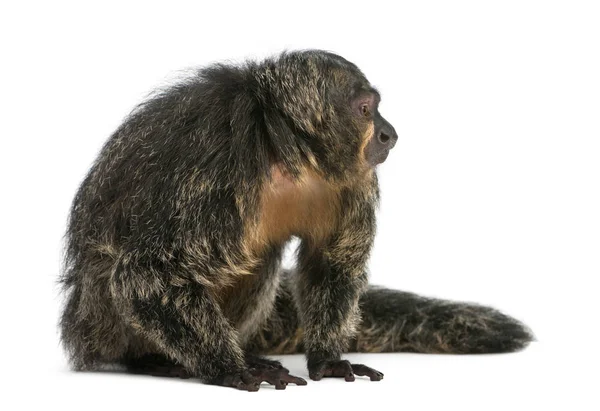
{"type": "Point", "coordinates": [342, 368]}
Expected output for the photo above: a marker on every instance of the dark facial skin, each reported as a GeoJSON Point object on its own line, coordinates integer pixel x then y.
{"type": "Point", "coordinates": [365, 105]}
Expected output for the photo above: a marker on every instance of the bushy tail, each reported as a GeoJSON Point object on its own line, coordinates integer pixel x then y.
{"type": "Point", "coordinates": [395, 321]}
{"type": "Point", "coordinates": [401, 321]}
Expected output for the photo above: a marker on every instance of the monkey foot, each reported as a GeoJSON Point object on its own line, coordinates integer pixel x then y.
{"type": "Point", "coordinates": [344, 369]}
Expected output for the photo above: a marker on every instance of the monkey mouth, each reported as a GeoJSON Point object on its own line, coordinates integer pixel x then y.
{"type": "Point", "coordinates": [380, 157]}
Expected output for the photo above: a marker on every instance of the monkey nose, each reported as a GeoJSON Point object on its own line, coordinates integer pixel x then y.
{"type": "Point", "coordinates": [388, 137]}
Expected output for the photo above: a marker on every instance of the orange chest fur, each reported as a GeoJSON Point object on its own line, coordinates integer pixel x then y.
{"type": "Point", "coordinates": [307, 207]}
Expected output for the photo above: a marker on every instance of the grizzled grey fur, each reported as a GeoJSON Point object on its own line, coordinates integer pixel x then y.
{"type": "Point", "coordinates": [175, 236]}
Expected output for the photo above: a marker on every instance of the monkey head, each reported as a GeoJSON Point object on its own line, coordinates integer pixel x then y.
{"type": "Point", "coordinates": [332, 109]}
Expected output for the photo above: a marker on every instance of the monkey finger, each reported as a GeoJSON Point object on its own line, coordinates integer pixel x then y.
{"type": "Point", "coordinates": [279, 378]}
{"type": "Point", "coordinates": [362, 370]}
{"type": "Point", "coordinates": [280, 385]}
{"type": "Point", "coordinates": [343, 369]}
{"type": "Point", "coordinates": [273, 379]}
{"type": "Point", "coordinates": [292, 379]}
{"type": "Point", "coordinates": [316, 375]}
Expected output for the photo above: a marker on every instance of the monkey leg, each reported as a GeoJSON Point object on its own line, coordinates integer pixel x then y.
{"type": "Point", "coordinates": [91, 327]}
{"type": "Point", "coordinates": [187, 326]}
{"type": "Point", "coordinates": [183, 322]}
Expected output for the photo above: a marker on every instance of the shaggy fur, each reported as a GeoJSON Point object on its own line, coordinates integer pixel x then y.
{"type": "Point", "coordinates": [175, 236]}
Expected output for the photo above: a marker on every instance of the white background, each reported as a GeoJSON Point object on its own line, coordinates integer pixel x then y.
{"type": "Point", "coordinates": [491, 195]}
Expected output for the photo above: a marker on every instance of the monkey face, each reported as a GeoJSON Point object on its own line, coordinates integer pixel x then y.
{"type": "Point", "coordinates": [380, 137]}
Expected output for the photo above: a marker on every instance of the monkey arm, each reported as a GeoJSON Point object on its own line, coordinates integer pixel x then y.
{"type": "Point", "coordinates": [328, 300]}
{"type": "Point", "coordinates": [330, 281]}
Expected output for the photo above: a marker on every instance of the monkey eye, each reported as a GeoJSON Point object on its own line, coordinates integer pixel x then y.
{"type": "Point", "coordinates": [364, 110]}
